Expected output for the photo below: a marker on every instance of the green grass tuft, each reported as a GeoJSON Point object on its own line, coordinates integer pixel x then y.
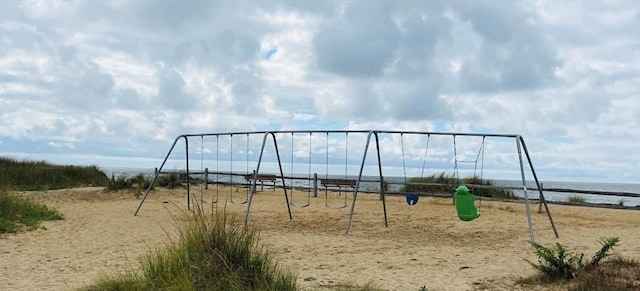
{"type": "Point", "coordinates": [17, 212]}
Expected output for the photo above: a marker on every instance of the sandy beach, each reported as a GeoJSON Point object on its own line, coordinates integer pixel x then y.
{"type": "Point", "coordinates": [424, 245]}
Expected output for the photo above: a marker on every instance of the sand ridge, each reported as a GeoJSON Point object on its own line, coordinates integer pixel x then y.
{"type": "Point", "coordinates": [424, 245]}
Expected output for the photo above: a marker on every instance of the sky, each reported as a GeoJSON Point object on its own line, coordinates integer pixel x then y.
{"type": "Point", "coordinates": [113, 83]}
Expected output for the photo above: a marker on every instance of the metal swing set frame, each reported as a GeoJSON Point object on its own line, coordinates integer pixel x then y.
{"type": "Point", "coordinates": [372, 137]}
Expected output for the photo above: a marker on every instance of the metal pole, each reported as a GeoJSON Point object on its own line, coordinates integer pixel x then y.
{"type": "Point", "coordinates": [255, 176]}
{"type": "Point", "coordinates": [355, 192]}
{"type": "Point", "coordinates": [315, 185]}
{"type": "Point", "coordinates": [186, 147]}
{"type": "Point", "coordinates": [541, 198]}
{"type": "Point", "coordinates": [382, 183]}
{"type": "Point", "coordinates": [533, 171]}
{"type": "Point", "coordinates": [286, 195]}
{"type": "Point", "coordinates": [526, 194]}
{"type": "Point", "coordinates": [206, 178]}
{"type": "Point", "coordinates": [158, 170]}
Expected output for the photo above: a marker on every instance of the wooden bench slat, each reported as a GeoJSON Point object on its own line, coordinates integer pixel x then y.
{"type": "Point", "coordinates": [338, 182]}
{"type": "Point", "coordinates": [271, 178]}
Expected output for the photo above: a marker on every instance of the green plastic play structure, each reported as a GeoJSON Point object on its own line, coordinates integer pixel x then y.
{"type": "Point", "coordinates": [465, 204]}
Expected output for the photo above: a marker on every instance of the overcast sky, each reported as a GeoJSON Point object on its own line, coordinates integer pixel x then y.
{"type": "Point", "coordinates": [114, 82]}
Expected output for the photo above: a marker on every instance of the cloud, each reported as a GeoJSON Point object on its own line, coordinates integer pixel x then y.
{"type": "Point", "coordinates": [123, 78]}
{"type": "Point", "coordinates": [360, 42]}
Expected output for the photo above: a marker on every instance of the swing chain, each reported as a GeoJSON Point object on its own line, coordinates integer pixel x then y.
{"type": "Point", "coordinates": [404, 169]}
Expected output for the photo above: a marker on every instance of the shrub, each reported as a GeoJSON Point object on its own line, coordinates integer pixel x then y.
{"type": "Point", "coordinates": [558, 263]}
{"type": "Point", "coordinates": [170, 181]}
{"type": "Point", "coordinates": [138, 184]}
{"type": "Point", "coordinates": [119, 183]}
{"type": "Point", "coordinates": [607, 245]}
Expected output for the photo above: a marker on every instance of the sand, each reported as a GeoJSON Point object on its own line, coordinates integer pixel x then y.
{"type": "Point", "coordinates": [424, 245]}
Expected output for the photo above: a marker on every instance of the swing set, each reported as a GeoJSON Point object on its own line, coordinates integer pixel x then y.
{"type": "Point", "coordinates": [463, 196]}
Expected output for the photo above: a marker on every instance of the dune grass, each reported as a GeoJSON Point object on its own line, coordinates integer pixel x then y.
{"type": "Point", "coordinates": [212, 252]}
{"type": "Point", "coordinates": [447, 183]}
{"type": "Point", "coordinates": [18, 212]}
{"type": "Point", "coordinates": [576, 199]}
{"type": "Point", "coordinates": [41, 175]}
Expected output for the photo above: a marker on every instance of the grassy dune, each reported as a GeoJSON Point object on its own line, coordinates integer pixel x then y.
{"type": "Point", "coordinates": [41, 175]}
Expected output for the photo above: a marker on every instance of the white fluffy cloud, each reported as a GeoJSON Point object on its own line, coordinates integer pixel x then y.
{"type": "Point", "coordinates": [123, 78]}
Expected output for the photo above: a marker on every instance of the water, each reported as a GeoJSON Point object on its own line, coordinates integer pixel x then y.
{"type": "Point", "coordinates": [396, 184]}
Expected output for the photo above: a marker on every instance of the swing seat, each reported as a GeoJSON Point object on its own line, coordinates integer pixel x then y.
{"type": "Point", "coordinates": [465, 204]}
{"type": "Point", "coordinates": [412, 198]}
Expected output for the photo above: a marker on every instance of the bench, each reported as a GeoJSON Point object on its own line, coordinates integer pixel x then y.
{"type": "Point", "coordinates": [262, 178]}
{"type": "Point", "coordinates": [339, 183]}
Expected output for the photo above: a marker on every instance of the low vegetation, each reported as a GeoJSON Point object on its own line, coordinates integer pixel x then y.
{"type": "Point", "coordinates": [40, 175]}
{"type": "Point", "coordinates": [18, 212]}
{"type": "Point", "coordinates": [576, 199]}
{"type": "Point", "coordinates": [446, 183]}
{"type": "Point", "coordinates": [140, 183]}
{"type": "Point", "coordinates": [559, 266]}
{"type": "Point", "coordinates": [213, 252]}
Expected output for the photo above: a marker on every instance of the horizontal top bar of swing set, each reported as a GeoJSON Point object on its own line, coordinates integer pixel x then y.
{"type": "Point", "coordinates": [352, 131]}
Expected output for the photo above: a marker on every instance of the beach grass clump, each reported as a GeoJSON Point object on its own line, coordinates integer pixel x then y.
{"type": "Point", "coordinates": [212, 252]}
{"type": "Point", "coordinates": [18, 212]}
{"type": "Point", "coordinates": [446, 183]}
{"type": "Point", "coordinates": [168, 180]}
{"type": "Point", "coordinates": [41, 175]}
{"type": "Point", "coordinates": [576, 199]}
{"type": "Point", "coordinates": [140, 183]}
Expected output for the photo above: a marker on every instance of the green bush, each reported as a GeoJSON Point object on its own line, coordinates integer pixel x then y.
{"type": "Point", "coordinates": [16, 212]}
{"type": "Point", "coordinates": [443, 183]}
{"type": "Point", "coordinates": [213, 252]}
{"type": "Point", "coordinates": [119, 183]}
{"type": "Point", "coordinates": [170, 181]}
{"type": "Point", "coordinates": [138, 183]}
{"type": "Point", "coordinates": [558, 263]}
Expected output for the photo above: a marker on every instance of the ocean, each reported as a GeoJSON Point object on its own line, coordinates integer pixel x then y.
{"type": "Point", "coordinates": [303, 181]}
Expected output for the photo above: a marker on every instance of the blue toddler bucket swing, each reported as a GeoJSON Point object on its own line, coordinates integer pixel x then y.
{"type": "Point", "coordinates": [412, 198]}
